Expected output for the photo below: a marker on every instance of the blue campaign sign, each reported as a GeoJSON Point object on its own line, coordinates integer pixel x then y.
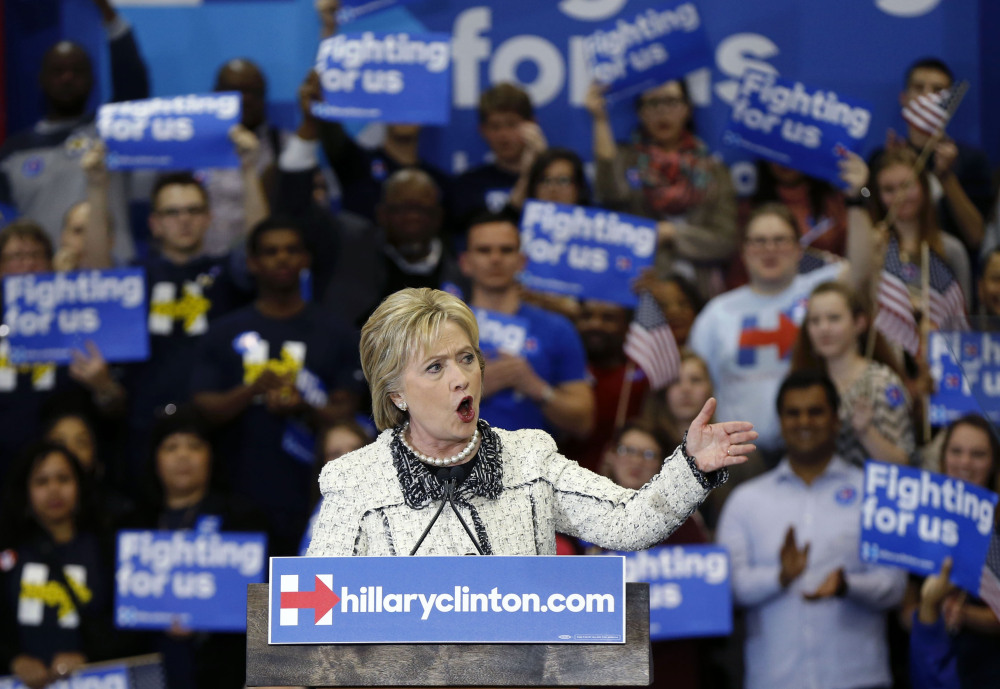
{"type": "Point", "coordinates": [636, 52]}
{"type": "Point", "coordinates": [352, 10]}
{"type": "Point", "coordinates": [197, 579]}
{"type": "Point", "coordinates": [966, 369]}
{"type": "Point", "coordinates": [913, 519]}
{"type": "Point", "coordinates": [784, 121]}
{"type": "Point", "coordinates": [689, 593]}
{"type": "Point", "coordinates": [562, 599]}
{"type": "Point", "coordinates": [104, 677]}
{"type": "Point", "coordinates": [179, 132]}
{"type": "Point", "coordinates": [585, 252]}
{"type": "Point", "coordinates": [48, 315]}
{"type": "Point", "coordinates": [500, 332]}
{"type": "Point", "coordinates": [389, 77]}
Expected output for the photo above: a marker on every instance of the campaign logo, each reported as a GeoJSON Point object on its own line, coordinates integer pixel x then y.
{"type": "Point", "coordinates": [32, 167]}
{"type": "Point", "coordinates": [894, 396]}
{"type": "Point", "coordinates": [321, 600]}
{"type": "Point", "coordinates": [971, 350]}
{"type": "Point", "coordinates": [753, 337]}
{"type": "Point", "coordinates": [952, 381]}
{"type": "Point", "coordinates": [623, 263]}
{"type": "Point", "coordinates": [531, 344]}
{"type": "Point", "coordinates": [379, 170]}
{"type": "Point", "coordinates": [846, 495]}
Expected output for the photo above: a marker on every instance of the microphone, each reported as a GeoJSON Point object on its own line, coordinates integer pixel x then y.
{"type": "Point", "coordinates": [449, 477]}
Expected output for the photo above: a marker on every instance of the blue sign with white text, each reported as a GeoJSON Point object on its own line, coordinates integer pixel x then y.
{"type": "Point", "coordinates": [689, 593]}
{"type": "Point", "coordinates": [501, 333]}
{"type": "Point", "coordinates": [105, 677]}
{"type": "Point", "coordinates": [588, 253]}
{"type": "Point", "coordinates": [389, 77]}
{"type": "Point", "coordinates": [197, 579]}
{"type": "Point", "coordinates": [49, 315]}
{"type": "Point", "coordinates": [633, 53]}
{"type": "Point", "coordinates": [179, 132]}
{"type": "Point", "coordinates": [913, 519]}
{"type": "Point", "coordinates": [558, 599]}
{"type": "Point", "coordinates": [786, 122]}
{"type": "Point", "coordinates": [966, 370]}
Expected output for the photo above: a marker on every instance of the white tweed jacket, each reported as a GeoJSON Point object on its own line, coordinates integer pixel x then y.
{"type": "Point", "coordinates": [515, 500]}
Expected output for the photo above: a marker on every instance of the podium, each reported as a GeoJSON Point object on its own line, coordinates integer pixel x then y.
{"type": "Point", "coordinates": [455, 665]}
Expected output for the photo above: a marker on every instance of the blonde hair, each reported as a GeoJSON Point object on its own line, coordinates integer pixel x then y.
{"type": "Point", "coordinates": [404, 324]}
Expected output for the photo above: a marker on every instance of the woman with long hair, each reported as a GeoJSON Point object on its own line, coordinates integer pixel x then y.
{"type": "Point", "coordinates": [874, 405]}
{"type": "Point", "coordinates": [56, 581]}
{"type": "Point", "coordinates": [668, 174]}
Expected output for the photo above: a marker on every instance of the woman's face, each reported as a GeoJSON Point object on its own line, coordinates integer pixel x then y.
{"type": "Point", "coordinates": [183, 464]}
{"type": "Point", "coordinates": [74, 435]}
{"type": "Point", "coordinates": [688, 394]}
{"type": "Point", "coordinates": [636, 459]}
{"type": "Point", "coordinates": [899, 182]}
{"type": "Point", "coordinates": [664, 113]}
{"type": "Point", "coordinates": [967, 455]}
{"type": "Point", "coordinates": [831, 328]}
{"type": "Point", "coordinates": [53, 492]}
{"type": "Point", "coordinates": [557, 184]}
{"type": "Point", "coordinates": [339, 441]}
{"type": "Point", "coordinates": [679, 312]}
{"type": "Point", "coordinates": [442, 387]}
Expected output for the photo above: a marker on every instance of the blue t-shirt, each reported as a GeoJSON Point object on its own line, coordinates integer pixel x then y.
{"type": "Point", "coordinates": [554, 350]}
{"type": "Point", "coordinates": [256, 456]}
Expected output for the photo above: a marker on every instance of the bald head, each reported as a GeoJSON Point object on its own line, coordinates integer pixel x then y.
{"type": "Point", "coordinates": [66, 78]}
{"type": "Point", "coordinates": [410, 179]}
{"type": "Point", "coordinates": [410, 212]}
{"type": "Point", "coordinates": [244, 76]}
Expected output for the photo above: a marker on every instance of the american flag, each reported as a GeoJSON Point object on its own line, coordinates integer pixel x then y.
{"type": "Point", "coordinates": [928, 112]}
{"type": "Point", "coordinates": [650, 343]}
{"type": "Point", "coordinates": [989, 582]}
{"type": "Point", "coordinates": [895, 317]}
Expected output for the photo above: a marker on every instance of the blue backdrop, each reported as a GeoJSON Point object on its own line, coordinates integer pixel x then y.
{"type": "Point", "coordinates": [859, 48]}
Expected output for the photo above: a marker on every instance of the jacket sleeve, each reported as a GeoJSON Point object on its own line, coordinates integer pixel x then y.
{"type": "Point", "coordinates": [129, 76]}
{"type": "Point", "coordinates": [708, 231]}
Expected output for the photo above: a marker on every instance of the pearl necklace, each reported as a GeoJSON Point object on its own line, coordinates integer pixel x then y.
{"type": "Point", "coordinates": [446, 461]}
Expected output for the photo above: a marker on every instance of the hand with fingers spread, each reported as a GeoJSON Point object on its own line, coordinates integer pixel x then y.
{"type": "Point", "coordinates": [793, 560]}
{"type": "Point", "coordinates": [718, 445]}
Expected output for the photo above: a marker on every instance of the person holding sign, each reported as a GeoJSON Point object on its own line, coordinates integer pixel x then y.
{"type": "Point", "coordinates": [970, 452]}
{"type": "Point", "coordinates": [874, 406]}
{"type": "Point", "coordinates": [668, 174]}
{"type": "Point", "coordinates": [55, 576]}
{"type": "Point", "coordinates": [184, 500]}
{"type": "Point", "coordinates": [514, 490]}
{"type": "Point", "coordinates": [816, 610]}
{"type": "Point", "coordinates": [545, 384]}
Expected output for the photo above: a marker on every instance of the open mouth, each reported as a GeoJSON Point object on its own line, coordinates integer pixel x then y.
{"type": "Point", "coordinates": [465, 410]}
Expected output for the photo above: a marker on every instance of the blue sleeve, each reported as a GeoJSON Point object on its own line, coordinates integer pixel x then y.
{"type": "Point", "coordinates": [569, 360]}
{"type": "Point", "coordinates": [129, 77]}
{"type": "Point", "coordinates": [932, 657]}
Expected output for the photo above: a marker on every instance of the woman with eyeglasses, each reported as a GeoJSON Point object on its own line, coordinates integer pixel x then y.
{"type": "Point", "coordinates": [668, 174]}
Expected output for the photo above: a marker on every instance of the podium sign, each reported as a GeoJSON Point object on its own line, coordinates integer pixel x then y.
{"type": "Point", "coordinates": [347, 600]}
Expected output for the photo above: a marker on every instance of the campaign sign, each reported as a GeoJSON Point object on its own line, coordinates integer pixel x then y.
{"type": "Point", "coordinates": [632, 54]}
{"type": "Point", "coordinates": [350, 11]}
{"type": "Point", "coordinates": [558, 599]}
{"type": "Point", "coordinates": [913, 519]}
{"type": "Point", "coordinates": [966, 368]}
{"type": "Point", "coordinates": [390, 77]}
{"type": "Point", "coordinates": [197, 579]}
{"type": "Point", "coordinates": [800, 127]}
{"type": "Point", "coordinates": [588, 253]}
{"type": "Point", "coordinates": [48, 315]}
{"type": "Point", "coordinates": [104, 677]}
{"type": "Point", "coordinates": [501, 333]}
{"type": "Point", "coordinates": [689, 593]}
{"type": "Point", "coordinates": [178, 132]}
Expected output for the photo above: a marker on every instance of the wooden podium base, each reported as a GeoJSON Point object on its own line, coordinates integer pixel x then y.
{"type": "Point", "coordinates": [450, 665]}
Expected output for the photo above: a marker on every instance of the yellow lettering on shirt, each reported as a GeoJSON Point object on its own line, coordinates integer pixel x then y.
{"type": "Point", "coordinates": [54, 595]}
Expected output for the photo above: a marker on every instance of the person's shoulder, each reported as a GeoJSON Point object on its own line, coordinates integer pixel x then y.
{"type": "Point", "coordinates": [718, 305]}
{"type": "Point", "coordinates": [360, 468]}
{"type": "Point", "coordinates": [538, 315]}
{"type": "Point", "coordinates": [758, 487]}
{"type": "Point", "coordinates": [525, 442]}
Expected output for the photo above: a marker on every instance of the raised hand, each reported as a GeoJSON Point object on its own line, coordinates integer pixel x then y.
{"type": "Point", "coordinates": [793, 560]}
{"type": "Point", "coordinates": [718, 445]}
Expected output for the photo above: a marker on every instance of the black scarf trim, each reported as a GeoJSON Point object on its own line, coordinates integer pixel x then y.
{"type": "Point", "coordinates": [421, 487]}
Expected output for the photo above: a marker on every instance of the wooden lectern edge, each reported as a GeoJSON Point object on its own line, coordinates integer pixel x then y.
{"type": "Point", "coordinates": [450, 665]}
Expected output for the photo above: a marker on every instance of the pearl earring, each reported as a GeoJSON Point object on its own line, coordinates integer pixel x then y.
{"type": "Point", "coordinates": [402, 406]}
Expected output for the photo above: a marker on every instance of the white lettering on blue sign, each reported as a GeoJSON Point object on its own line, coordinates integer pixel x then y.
{"type": "Point", "coordinates": [166, 119]}
{"type": "Point", "coordinates": [564, 227]}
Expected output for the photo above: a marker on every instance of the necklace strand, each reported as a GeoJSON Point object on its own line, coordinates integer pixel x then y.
{"type": "Point", "coordinates": [443, 462]}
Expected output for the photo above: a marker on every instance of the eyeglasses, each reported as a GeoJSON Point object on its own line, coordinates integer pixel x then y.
{"type": "Point", "coordinates": [665, 102]}
{"type": "Point", "coordinates": [648, 455]}
{"type": "Point", "coordinates": [782, 242]}
{"type": "Point", "coordinates": [556, 181]}
{"type": "Point", "coordinates": [182, 210]}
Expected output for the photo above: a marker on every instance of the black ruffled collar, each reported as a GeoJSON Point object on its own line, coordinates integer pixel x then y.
{"type": "Point", "coordinates": [421, 487]}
